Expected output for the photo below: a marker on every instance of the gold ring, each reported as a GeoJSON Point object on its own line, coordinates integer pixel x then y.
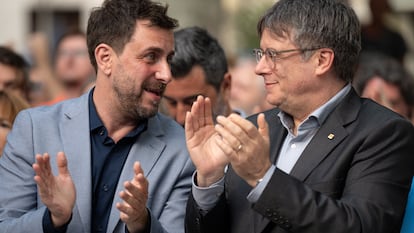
{"type": "Point", "coordinates": [239, 147]}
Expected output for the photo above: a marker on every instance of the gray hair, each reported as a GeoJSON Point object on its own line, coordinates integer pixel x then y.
{"type": "Point", "coordinates": [318, 24]}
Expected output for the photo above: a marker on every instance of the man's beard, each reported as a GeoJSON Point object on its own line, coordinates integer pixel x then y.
{"type": "Point", "coordinates": [131, 103]}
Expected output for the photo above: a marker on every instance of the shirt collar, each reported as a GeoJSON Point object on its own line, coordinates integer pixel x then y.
{"type": "Point", "coordinates": [321, 113]}
{"type": "Point", "coordinates": [94, 120]}
{"type": "Point", "coordinates": [96, 123]}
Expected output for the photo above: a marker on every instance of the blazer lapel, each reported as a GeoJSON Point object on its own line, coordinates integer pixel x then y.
{"type": "Point", "coordinates": [147, 150]}
{"type": "Point", "coordinates": [76, 145]}
{"type": "Point", "coordinates": [328, 137]}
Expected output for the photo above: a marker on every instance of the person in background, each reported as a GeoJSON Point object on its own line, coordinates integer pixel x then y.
{"type": "Point", "coordinates": [386, 81]}
{"type": "Point", "coordinates": [377, 36]}
{"type": "Point", "coordinates": [324, 160]}
{"type": "Point", "coordinates": [106, 161]}
{"type": "Point", "coordinates": [72, 69]}
{"type": "Point", "coordinates": [10, 105]}
{"type": "Point", "coordinates": [42, 83]}
{"type": "Point", "coordinates": [248, 93]}
{"type": "Point", "coordinates": [199, 67]}
{"type": "Point", "coordinates": [13, 72]}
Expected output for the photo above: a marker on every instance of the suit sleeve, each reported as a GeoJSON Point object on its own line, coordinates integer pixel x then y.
{"type": "Point", "coordinates": [19, 208]}
{"type": "Point", "coordinates": [369, 196]}
{"type": "Point", "coordinates": [171, 216]}
{"type": "Point", "coordinates": [215, 221]}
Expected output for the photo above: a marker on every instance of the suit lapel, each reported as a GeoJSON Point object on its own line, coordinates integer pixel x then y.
{"type": "Point", "coordinates": [76, 144]}
{"type": "Point", "coordinates": [147, 150]}
{"type": "Point", "coordinates": [277, 135]}
{"type": "Point", "coordinates": [329, 136]}
{"type": "Point", "coordinates": [331, 133]}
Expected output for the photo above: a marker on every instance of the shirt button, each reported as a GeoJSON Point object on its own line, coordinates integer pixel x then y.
{"type": "Point", "coordinates": [102, 132]}
{"type": "Point", "coordinates": [105, 187]}
{"type": "Point", "coordinates": [293, 146]}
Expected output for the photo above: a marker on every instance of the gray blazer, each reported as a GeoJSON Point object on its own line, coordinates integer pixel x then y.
{"type": "Point", "coordinates": [161, 151]}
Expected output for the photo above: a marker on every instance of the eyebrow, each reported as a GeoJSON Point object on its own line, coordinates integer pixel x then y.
{"type": "Point", "coordinates": [158, 50]}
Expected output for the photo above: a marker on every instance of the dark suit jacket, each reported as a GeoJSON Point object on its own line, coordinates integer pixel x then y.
{"type": "Point", "coordinates": [357, 181]}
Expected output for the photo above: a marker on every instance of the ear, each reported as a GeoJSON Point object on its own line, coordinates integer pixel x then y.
{"type": "Point", "coordinates": [103, 56]}
{"type": "Point", "coordinates": [325, 58]}
{"type": "Point", "coordinates": [225, 86]}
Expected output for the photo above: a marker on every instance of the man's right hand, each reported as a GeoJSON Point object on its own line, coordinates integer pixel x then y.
{"type": "Point", "coordinates": [57, 192]}
{"type": "Point", "coordinates": [208, 158]}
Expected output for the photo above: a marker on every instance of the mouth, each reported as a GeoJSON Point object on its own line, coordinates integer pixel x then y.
{"type": "Point", "coordinates": [271, 83]}
{"type": "Point", "coordinates": [157, 89]}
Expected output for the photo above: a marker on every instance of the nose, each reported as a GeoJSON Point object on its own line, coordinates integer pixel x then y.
{"type": "Point", "coordinates": [164, 72]}
{"type": "Point", "coordinates": [262, 66]}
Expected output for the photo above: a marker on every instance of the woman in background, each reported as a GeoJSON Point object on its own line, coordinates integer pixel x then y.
{"type": "Point", "coordinates": [10, 106]}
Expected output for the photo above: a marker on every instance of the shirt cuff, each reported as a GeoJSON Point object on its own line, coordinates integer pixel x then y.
{"type": "Point", "coordinates": [48, 224]}
{"type": "Point", "coordinates": [207, 197]}
{"type": "Point", "coordinates": [257, 191]}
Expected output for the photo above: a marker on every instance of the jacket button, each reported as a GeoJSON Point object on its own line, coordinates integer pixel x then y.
{"type": "Point", "coordinates": [269, 213]}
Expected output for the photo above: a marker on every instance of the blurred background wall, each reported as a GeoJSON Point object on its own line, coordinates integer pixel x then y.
{"type": "Point", "coordinates": [233, 22]}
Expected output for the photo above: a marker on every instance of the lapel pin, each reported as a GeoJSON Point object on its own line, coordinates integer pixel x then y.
{"type": "Point", "coordinates": [331, 136]}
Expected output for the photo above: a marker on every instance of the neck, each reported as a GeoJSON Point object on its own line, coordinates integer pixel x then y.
{"type": "Point", "coordinates": [106, 107]}
{"type": "Point", "coordinates": [314, 103]}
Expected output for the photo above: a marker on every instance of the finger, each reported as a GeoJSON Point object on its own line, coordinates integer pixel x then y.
{"type": "Point", "coordinates": [195, 112]}
{"type": "Point", "coordinates": [133, 198]}
{"type": "Point", "coordinates": [226, 148]}
{"type": "Point", "coordinates": [201, 103]}
{"type": "Point", "coordinates": [227, 137]}
{"type": "Point", "coordinates": [138, 168]}
{"type": "Point", "coordinates": [140, 183]}
{"type": "Point", "coordinates": [248, 130]}
{"type": "Point", "coordinates": [42, 165]}
{"type": "Point", "coordinates": [128, 199]}
{"type": "Point", "coordinates": [208, 112]}
{"type": "Point", "coordinates": [39, 181]}
{"type": "Point", "coordinates": [125, 208]}
{"type": "Point", "coordinates": [62, 164]}
{"type": "Point", "coordinates": [37, 166]}
{"type": "Point", "coordinates": [43, 173]}
{"type": "Point", "coordinates": [188, 126]}
{"type": "Point", "coordinates": [234, 129]}
{"type": "Point", "coordinates": [139, 179]}
{"type": "Point", "coordinates": [263, 127]}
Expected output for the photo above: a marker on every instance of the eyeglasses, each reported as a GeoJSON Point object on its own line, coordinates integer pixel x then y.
{"type": "Point", "coordinates": [274, 55]}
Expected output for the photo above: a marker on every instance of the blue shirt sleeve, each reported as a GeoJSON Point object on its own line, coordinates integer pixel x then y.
{"type": "Point", "coordinates": [257, 191]}
{"type": "Point", "coordinates": [207, 197]}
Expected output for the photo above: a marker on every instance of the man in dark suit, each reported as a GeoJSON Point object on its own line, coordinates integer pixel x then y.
{"type": "Point", "coordinates": [324, 160]}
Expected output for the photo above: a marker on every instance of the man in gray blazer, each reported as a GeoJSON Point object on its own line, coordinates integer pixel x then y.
{"type": "Point", "coordinates": [325, 160]}
{"type": "Point", "coordinates": [107, 161]}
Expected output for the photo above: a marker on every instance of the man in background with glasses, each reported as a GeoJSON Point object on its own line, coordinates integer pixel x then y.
{"type": "Point", "coordinates": [324, 160]}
